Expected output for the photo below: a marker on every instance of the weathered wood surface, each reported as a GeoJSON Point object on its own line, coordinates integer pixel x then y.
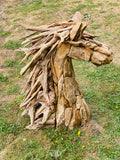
{"type": "Point", "coordinates": [53, 96]}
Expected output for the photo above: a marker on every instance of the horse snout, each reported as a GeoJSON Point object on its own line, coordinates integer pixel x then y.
{"type": "Point", "coordinates": [101, 59]}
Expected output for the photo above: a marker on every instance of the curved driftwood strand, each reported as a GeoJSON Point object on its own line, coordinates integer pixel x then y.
{"type": "Point", "coordinates": [36, 57]}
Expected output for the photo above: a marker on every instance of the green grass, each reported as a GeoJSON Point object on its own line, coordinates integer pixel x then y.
{"type": "Point", "coordinates": [81, 7]}
{"type": "Point", "coordinates": [66, 143]}
{"type": "Point", "coordinates": [4, 33]}
{"type": "Point", "coordinates": [30, 6]}
{"type": "Point", "coordinates": [19, 100]}
{"type": "Point", "coordinates": [13, 90]}
{"type": "Point", "coordinates": [89, 1]}
{"type": "Point", "coordinates": [10, 63]}
{"type": "Point", "coordinates": [3, 78]}
{"type": "Point", "coordinates": [14, 65]}
{"type": "Point", "coordinates": [11, 44]}
{"type": "Point", "coordinates": [100, 88]}
{"type": "Point", "coordinates": [7, 128]}
{"type": "Point", "coordinates": [96, 26]}
{"type": "Point", "coordinates": [114, 4]}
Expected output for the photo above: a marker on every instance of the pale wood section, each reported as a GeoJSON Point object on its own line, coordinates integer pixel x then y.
{"type": "Point", "coordinates": [99, 58]}
{"type": "Point", "coordinates": [74, 31]}
{"type": "Point", "coordinates": [77, 17]}
{"type": "Point", "coordinates": [60, 111]}
{"type": "Point", "coordinates": [80, 53]}
{"type": "Point", "coordinates": [75, 121]}
{"type": "Point", "coordinates": [59, 59]}
{"type": "Point", "coordinates": [68, 116]}
{"type": "Point", "coordinates": [53, 97]}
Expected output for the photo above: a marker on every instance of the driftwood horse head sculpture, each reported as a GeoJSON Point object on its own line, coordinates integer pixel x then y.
{"type": "Point", "coordinates": [53, 96]}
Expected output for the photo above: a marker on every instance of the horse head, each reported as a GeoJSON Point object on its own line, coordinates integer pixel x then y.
{"type": "Point", "coordinates": [96, 52]}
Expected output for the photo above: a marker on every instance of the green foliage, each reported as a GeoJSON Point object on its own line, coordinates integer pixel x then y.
{"type": "Point", "coordinates": [20, 55]}
{"type": "Point", "coordinates": [114, 4]}
{"type": "Point", "coordinates": [20, 99]}
{"type": "Point", "coordinates": [109, 17]}
{"type": "Point", "coordinates": [11, 44]}
{"type": "Point", "coordinates": [29, 6]}
{"type": "Point", "coordinates": [38, 1]}
{"type": "Point", "coordinates": [15, 64]}
{"type": "Point", "coordinates": [90, 1]}
{"type": "Point", "coordinates": [109, 152]}
{"type": "Point", "coordinates": [13, 89]}
{"type": "Point", "coordinates": [53, 1]}
{"type": "Point", "coordinates": [34, 151]}
{"type": "Point", "coordinates": [29, 156]}
{"type": "Point", "coordinates": [79, 8]}
{"type": "Point", "coordinates": [102, 11]}
{"type": "Point", "coordinates": [7, 128]}
{"type": "Point", "coordinates": [65, 143]}
{"type": "Point", "coordinates": [10, 63]}
{"type": "Point", "coordinates": [32, 144]}
{"type": "Point", "coordinates": [96, 26]}
{"type": "Point", "coordinates": [3, 78]}
{"type": "Point", "coordinates": [32, 1]}
{"type": "Point", "coordinates": [4, 33]}
{"type": "Point", "coordinates": [108, 72]}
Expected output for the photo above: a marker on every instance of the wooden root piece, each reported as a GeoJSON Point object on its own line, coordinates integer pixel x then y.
{"type": "Point", "coordinates": [53, 96]}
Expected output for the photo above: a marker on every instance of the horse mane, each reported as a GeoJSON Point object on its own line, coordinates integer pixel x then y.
{"type": "Point", "coordinates": [46, 38]}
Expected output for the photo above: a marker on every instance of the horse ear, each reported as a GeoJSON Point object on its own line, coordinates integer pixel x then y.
{"type": "Point", "coordinates": [78, 28]}
{"type": "Point", "coordinates": [77, 17]}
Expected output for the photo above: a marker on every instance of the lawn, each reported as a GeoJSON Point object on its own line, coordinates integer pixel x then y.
{"type": "Point", "coordinates": [99, 139]}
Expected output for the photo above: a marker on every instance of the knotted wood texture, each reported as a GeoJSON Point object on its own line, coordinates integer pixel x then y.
{"type": "Point", "coordinates": [53, 96]}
